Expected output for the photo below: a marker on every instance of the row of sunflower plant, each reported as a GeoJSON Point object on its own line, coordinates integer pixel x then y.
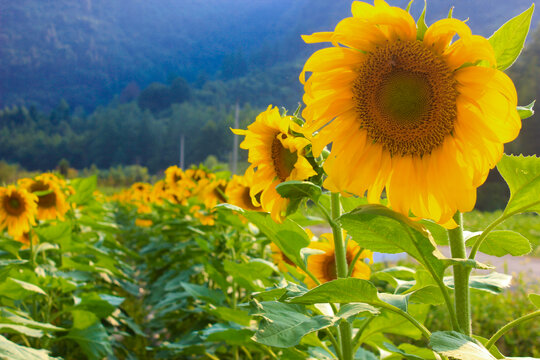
{"type": "Point", "coordinates": [64, 277]}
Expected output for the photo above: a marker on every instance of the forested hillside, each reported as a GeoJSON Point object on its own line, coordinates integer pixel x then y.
{"type": "Point", "coordinates": [88, 51]}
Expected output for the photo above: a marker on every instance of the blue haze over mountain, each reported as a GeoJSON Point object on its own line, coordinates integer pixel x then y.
{"type": "Point", "coordinates": [87, 51]}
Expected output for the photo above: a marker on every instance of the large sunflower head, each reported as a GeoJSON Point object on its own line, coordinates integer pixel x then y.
{"type": "Point", "coordinates": [239, 192]}
{"type": "Point", "coordinates": [17, 210]}
{"type": "Point", "coordinates": [278, 156]}
{"type": "Point", "coordinates": [416, 113]}
{"type": "Point", "coordinates": [323, 266]}
{"type": "Point", "coordinates": [51, 202]}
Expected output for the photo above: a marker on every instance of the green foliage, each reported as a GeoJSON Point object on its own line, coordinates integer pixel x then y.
{"type": "Point", "coordinates": [458, 346]}
{"type": "Point", "coordinates": [508, 41]}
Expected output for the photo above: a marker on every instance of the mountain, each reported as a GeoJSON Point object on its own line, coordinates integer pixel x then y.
{"type": "Point", "coordinates": [87, 51]}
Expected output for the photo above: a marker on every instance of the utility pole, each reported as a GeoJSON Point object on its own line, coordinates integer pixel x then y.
{"type": "Point", "coordinates": [182, 151]}
{"type": "Point", "coordinates": [235, 141]}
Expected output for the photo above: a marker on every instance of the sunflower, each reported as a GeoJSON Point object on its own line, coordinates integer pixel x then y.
{"type": "Point", "coordinates": [278, 156]}
{"type": "Point", "coordinates": [51, 198]}
{"type": "Point", "coordinates": [280, 259]}
{"type": "Point", "coordinates": [205, 217]}
{"type": "Point", "coordinates": [17, 210]}
{"type": "Point", "coordinates": [212, 192]}
{"type": "Point", "coordinates": [416, 114]}
{"type": "Point", "coordinates": [238, 192]}
{"type": "Point", "coordinates": [173, 176]}
{"type": "Point", "coordinates": [25, 239]}
{"type": "Point", "coordinates": [323, 266]}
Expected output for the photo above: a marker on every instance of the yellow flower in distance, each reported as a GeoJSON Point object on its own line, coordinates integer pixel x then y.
{"type": "Point", "coordinates": [424, 118]}
{"type": "Point", "coordinates": [51, 202]}
{"type": "Point", "coordinates": [17, 210]}
{"type": "Point", "coordinates": [323, 266]}
{"type": "Point", "coordinates": [239, 192]}
{"type": "Point", "coordinates": [277, 155]}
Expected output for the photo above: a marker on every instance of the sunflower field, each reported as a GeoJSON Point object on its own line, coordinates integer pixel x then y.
{"type": "Point", "coordinates": [401, 124]}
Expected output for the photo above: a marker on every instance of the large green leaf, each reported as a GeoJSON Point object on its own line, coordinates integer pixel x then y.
{"type": "Point", "coordinates": [295, 189]}
{"type": "Point", "coordinates": [508, 40]}
{"type": "Point", "coordinates": [248, 273]}
{"type": "Point", "coordinates": [203, 293]}
{"type": "Point", "coordinates": [10, 350]}
{"type": "Point", "coordinates": [493, 283]}
{"type": "Point", "coordinates": [347, 290]}
{"type": "Point", "coordinates": [289, 237]}
{"type": "Point", "coordinates": [458, 346]}
{"type": "Point", "coordinates": [15, 317]}
{"type": "Point", "coordinates": [84, 189]}
{"type": "Point", "coordinates": [228, 334]}
{"type": "Point", "coordinates": [228, 314]}
{"type": "Point", "coordinates": [18, 289]}
{"type": "Point", "coordinates": [56, 234]}
{"type": "Point", "coordinates": [377, 228]}
{"type": "Point", "coordinates": [284, 325]}
{"type": "Point", "coordinates": [20, 329]}
{"type": "Point", "coordinates": [349, 311]}
{"type": "Point", "coordinates": [522, 174]}
{"type": "Point", "coordinates": [93, 340]}
{"type": "Point", "coordinates": [503, 242]}
{"type": "Point", "coordinates": [535, 299]}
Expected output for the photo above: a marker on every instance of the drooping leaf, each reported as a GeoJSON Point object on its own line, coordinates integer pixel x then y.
{"type": "Point", "coordinates": [348, 290]}
{"type": "Point", "coordinates": [503, 242]}
{"type": "Point", "coordinates": [228, 314]}
{"type": "Point", "coordinates": [14, 317]}
{"type": "Point", "coordinates": [295, 189]}
{"type": "Point", "coordinates": [10, 350]}
{"type": "Point", "coordinates": [284, 325]}
{"type": "Point", "coordinates": [20, 329]}
{"type": "Point", "coordinates": [203, 293]}
{"type": "Point", "coordinates": [508, 40]}
{"type": "Point", "coordinates": [18, 289]}
{"type": "Point", "coordinates": [458, 346]}
{"type": "Point", "coordinates": [522, 174]}
{"type": "Point", "coordinates": [93, 340]}
{"type": "Point", "coordinates": [377, 228]}
{"type": "Point", "coordinates": [349, 311]}
{"type": "Point", "coordinates": [493, 283]}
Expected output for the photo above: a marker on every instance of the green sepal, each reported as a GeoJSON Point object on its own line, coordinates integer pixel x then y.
{"type": "Point", "coordinates": [421, 26]}
{"type": "Point", "coordinates": [527, 111]}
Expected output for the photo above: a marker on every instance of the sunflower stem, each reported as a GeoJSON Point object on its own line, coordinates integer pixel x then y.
{"type": "Point", "coordinates": [341, 269]}
{"type": "Point", "coordinates": [461, 276]}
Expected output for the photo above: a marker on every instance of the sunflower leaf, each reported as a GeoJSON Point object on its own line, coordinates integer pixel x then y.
{"type": "Point", "coordinates": [377, 228]}
{"type": "Point", "coordinates": [522, 174]}
{"type": "Point", "coordinates": [10, 350]}
{"type": "Point", "coordinates": [493, 283]}
{"type": "Point", "coordinates": [289, 237]}
{"type": "Point", "coordinates": [84, 189]}
{"type": "Point", "coordinates": [346, 290]}
{"type": "Point", "coordinates": [535, 299]}
{"type": "Point", "coordinates": [458, 346]}
{"type": "Point", "coordinates": [295, 189]}
{"type": "Point", "coordinates": [508, 41]}
{"type": "Point", "coordinates": [284, 325]}
{"type": "Point", "coordinates": [503, 242]}
{"type": "Point", "coordinates": [526, 111]}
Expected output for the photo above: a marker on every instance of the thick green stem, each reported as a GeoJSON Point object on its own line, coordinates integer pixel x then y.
{"type": "Point", "coordinates": [341, 269]}
{"type": "Point", "coordinates": [509, 326]}
{"type": "Point", "coordinates": [461, 277]}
